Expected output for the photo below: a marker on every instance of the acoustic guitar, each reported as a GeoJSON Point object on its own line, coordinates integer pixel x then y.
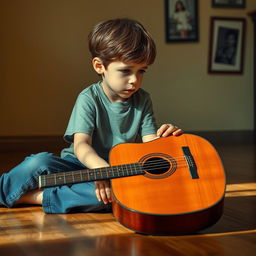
{"type": "Point", "coordinates": [172, 185]}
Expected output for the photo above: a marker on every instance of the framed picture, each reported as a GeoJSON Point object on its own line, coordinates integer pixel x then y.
{"type": "Point", "coordinates": [228, 3]}
{"type": "Point", "coordinates": [181, 20]}
{"type": "Point", "coordinates": [226, 48]}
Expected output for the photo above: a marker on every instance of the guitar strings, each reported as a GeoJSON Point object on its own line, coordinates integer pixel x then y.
{"type": "Point", "coordinates": [153, 164]}
{"type": "Point", "coordinates": [181, 162]}
{"type": "Point", "coordinates": [120, 168]}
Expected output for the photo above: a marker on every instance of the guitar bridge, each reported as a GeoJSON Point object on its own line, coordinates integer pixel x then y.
{"type": "Point", "coordinates": [191, 162]}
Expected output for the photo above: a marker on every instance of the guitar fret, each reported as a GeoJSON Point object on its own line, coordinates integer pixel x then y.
{"type": "Point", "coordinates": [99, 174]}
{"type": "Point", "coordinates": [59, 179]}
{"type": "Point", "coordinates": [88, 175]}
{"type": "Point", "coordinates": [91, 173]}
{"type": "Point", "coordinates": [127, 169]}
{"type": "Point", "coordinates": [77, 176]}
{"type": "Point", "coordinates": [111, 172]}
{"type": "Point", "coordinates": [132, 168]}
{"type": "Point", "coordinates": [42, 180]}
{"type": "Point", "coordinates": [83, 175]}
{"type": "Point", "coordinates": [120, 171]}
{"type": "Point", "coordinates": [117, 171]}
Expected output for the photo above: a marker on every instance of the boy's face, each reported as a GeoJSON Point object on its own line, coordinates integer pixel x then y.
{"type": "Point", "coordinates": [121, 80]}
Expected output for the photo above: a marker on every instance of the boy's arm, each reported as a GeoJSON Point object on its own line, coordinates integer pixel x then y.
{"type": "Point", "coordinates": [164, 131]}
{"type": "Point", "coordinates": [88, 156]}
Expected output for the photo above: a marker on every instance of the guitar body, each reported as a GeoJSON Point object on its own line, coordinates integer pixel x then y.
{"type": "Point", "coordinates": [182, 190]}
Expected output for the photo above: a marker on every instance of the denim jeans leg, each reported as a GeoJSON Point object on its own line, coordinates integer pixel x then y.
{"type": "Point", "coordinates": [74, 198]}
{"type": "Point", "coordinates": [24, 177]}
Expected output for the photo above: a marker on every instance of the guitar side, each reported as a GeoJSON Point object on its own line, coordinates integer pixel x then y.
{"type": "Point", "coordinates": [182, 199]}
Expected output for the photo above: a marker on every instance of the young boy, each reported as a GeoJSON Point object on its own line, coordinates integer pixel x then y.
{"type": "Point", "coordinates": [112, 111]}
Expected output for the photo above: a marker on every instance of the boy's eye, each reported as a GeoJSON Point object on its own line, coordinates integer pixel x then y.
{"type": "Point", "coordinates": [128, 71]}
{"type": "Point", "coordinates": [125, 71]}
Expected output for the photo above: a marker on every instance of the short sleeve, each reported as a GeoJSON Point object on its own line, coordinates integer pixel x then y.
{"type": "Point", "coordinates": [82, 119]}
{"type": "Point", "coordinates": [148, 122]}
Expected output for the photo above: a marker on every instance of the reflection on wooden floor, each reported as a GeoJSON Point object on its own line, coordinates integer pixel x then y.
{"type": "Point", "coordinates": [28, 231]}
{"type": "Point", "coordinates": [238, 190]}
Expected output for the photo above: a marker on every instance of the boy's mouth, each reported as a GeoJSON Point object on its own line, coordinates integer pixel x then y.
{"type": "Point", "coordinates": [129, 90]}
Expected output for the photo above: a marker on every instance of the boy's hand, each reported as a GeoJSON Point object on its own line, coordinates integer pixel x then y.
{"type": "Point", "coordinates": [168, 129]}
{"type": "Point", "coordinates": [103, 191]}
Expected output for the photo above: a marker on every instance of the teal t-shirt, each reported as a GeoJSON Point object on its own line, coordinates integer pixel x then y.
{"type": "Point", "coordinates": [109, 123]}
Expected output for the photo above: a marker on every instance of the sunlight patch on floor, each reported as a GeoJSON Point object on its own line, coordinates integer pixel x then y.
{"type": "Point", "coordinates": [242, 189]}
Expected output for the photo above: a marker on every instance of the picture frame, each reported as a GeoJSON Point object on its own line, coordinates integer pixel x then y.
{"type": "Point", "coordinates": [229, 3]}
{"type": "Point", "coordinates": [181, 21]}
{"type": "Point", "coordinates": [226, 45]}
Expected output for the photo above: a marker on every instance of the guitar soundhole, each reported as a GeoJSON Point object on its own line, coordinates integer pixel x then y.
{"type": "Point", "coordinates": [158, 165]}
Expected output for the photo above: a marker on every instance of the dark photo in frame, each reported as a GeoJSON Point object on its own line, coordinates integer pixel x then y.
{"type": "Point", "coordinates": [228, 3]}
{"type": "Point", "coordinates": [226, 47]}
{"type": "Point", "coordinates": [181, 21]}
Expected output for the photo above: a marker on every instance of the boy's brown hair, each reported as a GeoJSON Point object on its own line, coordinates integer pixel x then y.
{"type": "Point", "coordinates": [122, 39]}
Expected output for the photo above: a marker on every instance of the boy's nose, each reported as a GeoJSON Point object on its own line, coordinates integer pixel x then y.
{"type": "Point", "coordinates": [133, 79]}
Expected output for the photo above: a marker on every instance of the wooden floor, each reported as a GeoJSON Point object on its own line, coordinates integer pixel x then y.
{"type": "Point", "coordinates": [28, 231]}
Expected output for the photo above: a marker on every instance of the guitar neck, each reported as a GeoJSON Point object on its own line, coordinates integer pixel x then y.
{"type": "Point", "coordinates": [89, 175]}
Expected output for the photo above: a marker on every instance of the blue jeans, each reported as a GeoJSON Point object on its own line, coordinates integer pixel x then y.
{"type": "Point", "coordinates": [24, 177]}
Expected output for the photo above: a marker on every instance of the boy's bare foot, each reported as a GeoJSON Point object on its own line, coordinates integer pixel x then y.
{"type": "Point", "coordinates": [31, 197]}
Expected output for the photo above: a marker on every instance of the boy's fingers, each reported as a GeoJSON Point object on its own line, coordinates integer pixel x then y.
{"type": "Point", "coordinates": [103, 196]}
{"type": "Point", "coordinates": [161, 130]}
{"type": "Point", "coordinates": [177, 132]}
{"type": "Point", "coordinates": [100, 191]}
{"type": "Point", "coordinates": [108, 193]}
{"type": "Point", "coordinates": [103, 191]}
{"type": "Point", "coordinates": [168, 129]}
{"type": "Point", "coordinates": [97, 191]}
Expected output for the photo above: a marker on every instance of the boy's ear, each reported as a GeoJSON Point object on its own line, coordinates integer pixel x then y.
{"type": "Point", "coordinates": [98, 65]}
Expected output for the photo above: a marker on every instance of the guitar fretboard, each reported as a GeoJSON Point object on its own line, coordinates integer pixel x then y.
{"type": "Point", "coordinates": [89, 175]}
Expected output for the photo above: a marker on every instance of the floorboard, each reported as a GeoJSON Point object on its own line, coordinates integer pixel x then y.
{"type": "Point", "coordinates": [28, 231]}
